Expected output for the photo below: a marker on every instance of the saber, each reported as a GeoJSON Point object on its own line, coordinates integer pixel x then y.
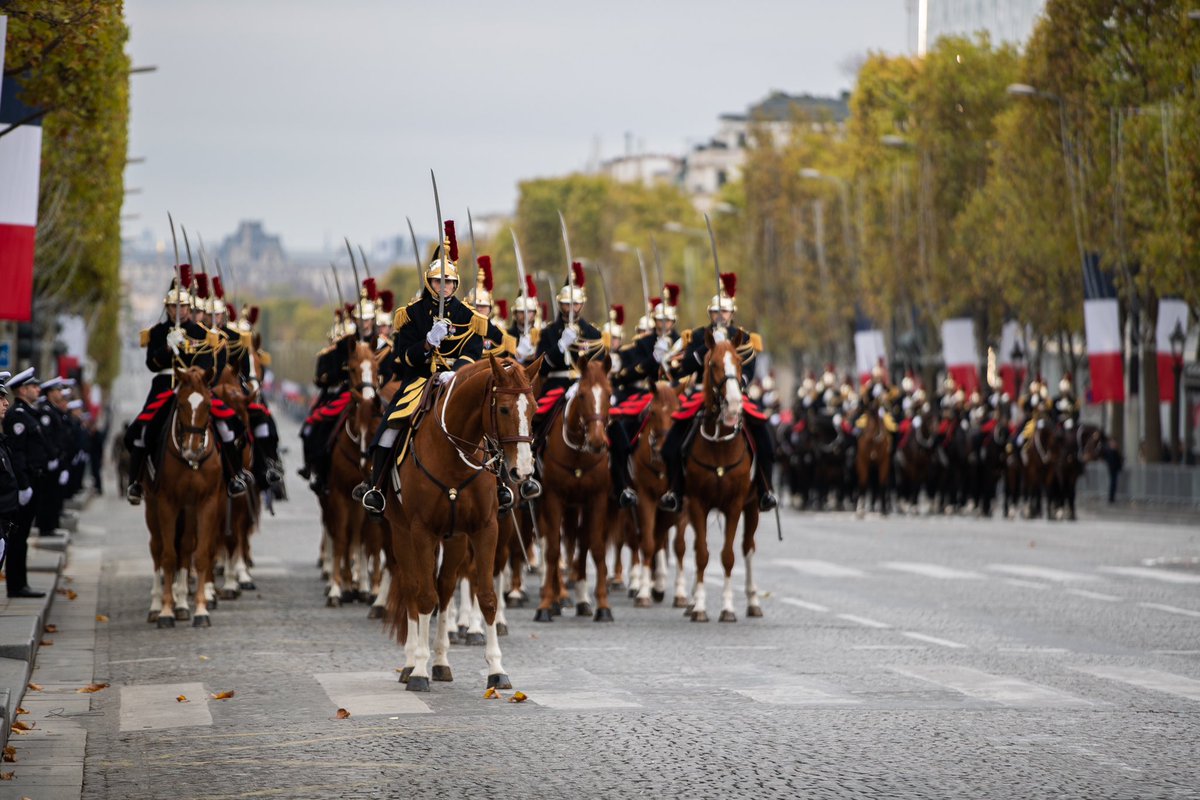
{"type": "Point", "coordinates": [712, 239]}
{"type": "Point", "coordinates": [604, 286]}
{"type": "Point", "coordinates": [357, 288]}
{"type": "Point", "coordinates": [570, 261]}
{"type": "Point", "coordinates": [662, 283]}
{"type": "Point", "coordinates": [550, 283]}
{"type": "Point", "coordinates": [363, 256]}
{"type": "Point", "coordinates": [338, 285]}
{"type": "Point", "coordinates": [778, 523]}
{"type": "Point", "coordinates": [520, 277]}
{"type": "Point", "coordinates": [471, 230]}
{"type": "Point", "coordinates": [178, 276]}
{"type": "Point", "coordinates": [186, 245]}
{"type": "Point", "coordinates": [445, 255]}
{"type": "Point", "coordinates": [416, 251]}
{"type": "Point", "coordinates": [645, 287]}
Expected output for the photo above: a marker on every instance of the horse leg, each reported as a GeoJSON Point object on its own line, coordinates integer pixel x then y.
{"type": "Point", "coordinates": [699, 519]}
{"type": "Point", "coordinates": [376, 611]}
{"type": "Point", "coordinates": [595, 517]}
{"type": "Point", "coordinates": [485, 553]}
{"type": "Point", "coordinates": [207, 517]}
{"type": "Point", "coordinates": [753, 608]}
{"type": "Point", "coordinates": [501, 606]}
{"type": "Point", "coordinates": [463, 617]}
{"type": "Point", "coordinates": [731, 522]}
{"type": "Point", "coordinates": [156, 596]}
{"type": "Point", "coordinates": [166, 527]}
{"type": "Point", "coordinates": [424, 561]}
{"type": "Point", "coordinates": [645, 514]}
{"type": "Point", "coordinates": [659, 592]}
{"type": "Point", "coordinates": [550, 524]}
{"type": "Point", "coordinates": [680, 546]}
{"type": "Point", "coordinates": [326, 559]}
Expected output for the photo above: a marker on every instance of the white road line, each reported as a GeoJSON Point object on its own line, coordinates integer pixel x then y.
{"type": "Point", "coordinates": [889, 647]}
{"type": "Point", "coordinates": [1187, 612]}
{"type": "Point", "coordinates": [819, 569]}
{"type": "Point", "coordinates": [1026, 584]}
{"type": "Point", "coordinates": [791, 601]}
{"type": "Point", "coordinates": [155, 707]}
{"type": "Point", "coordinates": [1176, 652]}
{"type": "Point", "coordinates": [867, 621]}
{"type": "Point", "coordinates": [367, 693]}
{"type": "Point", "coordinates": [741, 647]}
{"type": "Point", "coordinates": [1042, 573]}
{"type": "Point", "coordinates": [1108, 598]}
{"type": "Point", "coordinates": [999, 689]}
{"type": "Point", "coordinates": [932, 570]}
{"type": "Point", "coordinates": [1033, 650]}
{"type": "Point", "coordinates": [142, 660]}
{"type": "Point", "coordinates": [582, 700]}
{"type": "Point", "coordinates": [1151, 679]}
{"type": "Point", "coordinates": [592, 649]}
{"type": "Point", "coordinates": [796, 694]}
{"type": "Point", "coordinates": [934, 640]}
{"type": "Point", "coordinates": [1153, 574]}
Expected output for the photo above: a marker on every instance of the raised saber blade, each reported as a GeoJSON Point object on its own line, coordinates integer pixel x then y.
{"type": "Point", "coordinates": [712, 240]}
{"type": "Point", "coordinates": [520, 276]}
{"type": "Point", "coordinates": [437, 202]}
{"type": "Point", "coordinates": [570, 262]}
{"type": "Point", "coordinates": [645, 286]}
{"type": "Point", "coordinates": [604, 288]}
{"type": "Point", "coordinates": [187, 246]}
{"type": "Point", "coordinates": [178, 276]}
{"type": "Point", "coordinates": [662, 284]}
{"type": "Point", "coordinates": [471, 230]}
{"type": "Point", "coordinates": [338, 285]}
{"type": "Point", "coordinates": [363, 256]}
{"type": "Point", "coordinates": [357, 285]}
{"type": "Point", "coordinates": [416, 250]}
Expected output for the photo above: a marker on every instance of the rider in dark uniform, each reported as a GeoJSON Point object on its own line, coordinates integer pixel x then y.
{"type": "Point", "coordinates": [561, 340]}
{"type": "Point", "coordinates": [525, 327]}
{"type": "Point", "coordinates": [496, 342]}
{"type": "Point", "coordinates": [28, 452]}
{"type": "Point", "coordinates": [720, 311]}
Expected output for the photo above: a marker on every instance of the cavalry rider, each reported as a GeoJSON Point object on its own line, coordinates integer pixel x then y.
{"type": "Point", "coordinates": [424, 347]}
{"type": "Point", "coordinates": [175, 342]}
{"type": "Point", "coordinates": [383, 319]}
{"type": "Point", "coordinates": [1066, 405]}
{"type": "Point", "coordinates": [524, 326]}
{"type": "Point", "coordinates": [495, 342]}
{"type": "Point", "coordinates": [877, 397]}
{"type": "Point", "coordinates": [25, 440]}
{"type": "Point", "coordinates": [561, 340]}
{"type": "Point", "coordinates": [721, 309]}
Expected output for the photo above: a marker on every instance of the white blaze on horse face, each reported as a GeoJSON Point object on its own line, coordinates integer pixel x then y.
{"type": "Point", "coordinates": [194, 400]}
{"type": "Point", "coordinates": [368, 379]}
{"type": "Point", "coordinates": [524, 451]}
{"type": "Point", "coordinates": [733, 392]}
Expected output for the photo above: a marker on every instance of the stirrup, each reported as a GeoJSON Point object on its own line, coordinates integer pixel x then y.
{"type": "Point", "coordinates": [531, 489]}
{"type": "Point", "coordinates": [767, 501]}
{"type": "Point", "coordinates": [274, 473]}
{"type": "Point", "coordinates": [506, 497]}
{"type": "Point", "coordinates": [669, 502]}
{"type": "Point", "coordinates": [236, 486]}
{"type": "Point", "coordinates": [360, 491]}
{"type": "Point", "coordinates": [627, 498]}
{"type": "Point", "coordinates": [374, 502]}
{"type": "Point", "coordinates": [304, 472]}
{"type": "Point", "coordinates": [134, 493]}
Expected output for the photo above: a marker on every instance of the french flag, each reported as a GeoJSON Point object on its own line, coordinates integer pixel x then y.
{"type": "Point", "coordinates": [1171, 312]}
{"type": "Point", "coordinates": [870, 349]}
{"type": "Point", "coordinates": [20, 163]}
{"type": "Point", "coordinates": [1102, 328]}
{"type": "Point", "coordinates": [958, 351]}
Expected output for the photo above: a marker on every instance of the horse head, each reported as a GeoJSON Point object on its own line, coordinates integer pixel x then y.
{"type": "Point", "coordinates": [510, 420]}
{"type": "Point", "coordinates": [659, 421]}
{"type": "Point", "coordinates": [363, 367]}
{"type": "Point", "coordinates": [723, 381]}
{"type": "Point", "coordinates": [193, 404]}
{"type": "Point", "coordinates": [589, 410]}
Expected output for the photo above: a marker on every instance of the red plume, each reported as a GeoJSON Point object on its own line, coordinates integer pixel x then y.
{"type": "Point", "coordinates": [530, 287]}
{"type": "Point", "coordinates": [577, 271]}
{"type": "Point", "coordinates": [185, 275]}
{"type": "Point", "coordinates": [485, 266]}
{"type": "Point", "coordinates": [388, 299]}
{"type": "Point", "coordinates": [729, 283]}
{"type": "Point", "coordinates": [218, 289]}
{"type": "Point", "coordinates": [671, 293]}
{"type": "Point", "coordinates": [202, 286]}
{"type": "Point", "coordinates": [453, 240]}
{"type": "Point", "coordinates": [369, 286]}
{"type": "Point", "coordinates": [502, 309]}
{"type": "Point", "coordinates": [655, 301]}
{"type": "Point", "coordinates": [252, 317]}
{"type": "Point", "coordinates": [618, 313]}
{"type": "Point", "coordinates": [232, 313]}
{"type": "Point", "coordinates": [348, 308]}
{"type": "Point", "coordinates": [545, 311]}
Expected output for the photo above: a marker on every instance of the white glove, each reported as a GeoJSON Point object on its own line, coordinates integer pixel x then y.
{"type": "Point", "coordinates": [569, 335]}
{"type": "Point", "coordinates": [616, 361]}
{"type": "Point", "coordinates": [437, 333]}
{"type": "Point", "coordinates": [524, 347]}
{"type": "Point", "coordinates": [63, 477]}
{"type": "Point", "coordinates": [917, 422]}
{"type": "Point", "coordinates": [572, 390]}
{"type": "Point", "coordinates": [445, 377]}
{"type": "Point", "coordinates": [24, 496]}
{"type": "Point", "coordinates": [661, 346]}
{"type": "Point", "coordinates": [53, 464]}
{"type": "Point", "coordinates": [175, 338]}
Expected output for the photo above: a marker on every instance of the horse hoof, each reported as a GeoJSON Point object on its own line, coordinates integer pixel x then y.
{"type": "Point", "coordinates": [371, 598]}
{"type": "Point", "coordinates": [616, 586]}
{"type": "Point", "coordinates": [229, 594]}
{"type": "Point", "coordinates": [462, 633]}
{"type": "Point", "coordinates": [657, 595]}
{"type": "Point", "coordinates": [681, 602]}
{"type": "Point", "coordinates": [375, 612]}
{"type": "Point", "coordinates": [441, 672]}
{"type": "Point", "coordinates": [247, 586]}
{"type": "Point", "coordinates": [213, 603]}
{"type": "Point", "coordinates": [350, 595]}
{"type": "Point", "coordinates": [543, 615]}
{"type": "Point", "coordinates": [699, 616]}
{"type": "Point", "coordinates": [583, 609]}
{"type": "Point", "coordinates": [201, 621]}
{"type": "Point", "coordinates": [166, 622]}
{"type": "Point", "coordinates": [417, 683]}
{"type": "Point", "coordinates": [499, 681]}
{"type": "Point", "coordinates": [405, 674]}
{"type": "Point", "coordinates": [689, 609]}
{"type": "Point", "coordinates": [556, 609]}
{"type": "Point", "coordinates": [632, 593]}
{"type": "Point", "coordinates": [152, 616]}
{"type": "Point", "coordinates": [501, 629]}
{"type": "Point", "coordinates": [324, 574]}
{"type": "Point", "coordinates": [476, 639]}
{"type": "Point", "coordinates": [183, 614]}
{"type": "Point", "coordinates": [603, 615]}
{"type": "Point", "coordinates": [333, 602]}
{"type": "Point", "coordinates": [452, 637]}
{"type": "Point", "coordinates": [642, 602]}
{"type": "Point", "coordinates": [754, 611]}
{"type": "Point", "coordinates": [727, 616]}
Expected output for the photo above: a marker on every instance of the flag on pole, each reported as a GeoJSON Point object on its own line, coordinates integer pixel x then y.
{"type": "Point", "coordinates": [1171, 312]}
{"type": "Point", "coordinates": [20, 164]}
{"type": "Point", "coordinates": [1102, 328]}
{"type": "Point", "coordinates": [1012, 341]}
{"type": "Point", "coordinates": [958, 351]}
{"type": "Point", "coordinates": [869, 348]}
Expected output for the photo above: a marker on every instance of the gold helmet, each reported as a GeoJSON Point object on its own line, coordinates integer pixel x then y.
{"type": "Point", "coordinates": [573, 291]}
{"type": "Point", "coordinates": [446, 255]}
{"type": "Point", "coordinates": [645, 324]}
{"type": "Point", "coordinates": [385, 307]}
{"type": "Point", "coordinates": [724, 301]}
{"type": "Point", "coordinates": [664, 309]}
{"type": "Point", "coordinates": [180, 296]}
{"type": "Point", "coordinates": [616, 319]}
{"type": "Point", "coordinates": [481, 295]}
{"type": "Point", "coordinates": [527, 301]}
{"type": "Point", "coordinates": [216, 303]}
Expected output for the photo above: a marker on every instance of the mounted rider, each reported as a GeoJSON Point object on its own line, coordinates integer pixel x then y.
{"type": "Point", "coordinates": [495, 341]}
{"type": "Point", "coordinates": [561, 341]}
{"type": "Point", "coordinates": [525, 325]}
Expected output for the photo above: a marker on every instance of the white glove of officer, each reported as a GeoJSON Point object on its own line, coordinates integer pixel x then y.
{"type": "Point", "coordinates": [53, 464]}
{"type": "Point", "coordinates": [661, 347]}
{"type": "Point", "coordinates": [24, 496]}
{"type": "Point", "coordinates": [175, 338]}
{"type": "Point", "coordinates": [445, 377]}
{"type": "Point", "coordinates": [524, 347]}
{"type": "Point", "coordinates": [572, 390]}
{"type": "Point", "coordinates": [437, 333]}
{"type": "Point", "coordinates": [63, 477]}
{"type": "Point", "coordinates": [569, 335]}
{"type": "Point", "coordinates": [616, 361]}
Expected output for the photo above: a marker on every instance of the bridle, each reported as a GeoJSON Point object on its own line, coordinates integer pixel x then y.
{"type": "Point", "coordinates": [718, 403]}
{"type": "Point", "coordinates": [586, 418]}
{"type": "Point", "coordinates": [178, 426]}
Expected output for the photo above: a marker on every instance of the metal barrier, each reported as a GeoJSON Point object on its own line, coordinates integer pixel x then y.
{"type": "Point", "coordinates": [1167, 484]}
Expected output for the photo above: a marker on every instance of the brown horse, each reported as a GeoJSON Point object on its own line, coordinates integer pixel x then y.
{"type": "Point", "coordinates": [238, 515]}
{"type": "Point", "coordinates": [913, 458]}
{"type": "Point", "coordinates": [720, 473]}
{"type": "Point", "coordinates": [1040, 456]}
{"type": "Point", "coordinates": [576, 483]}
{"type": "Point", "coordinates": [183, 498]}
{"type": "Point", "coordinates": [872, 463]}
{"type": "Point", "coordinates": [480, 423]}
{"type": "Point", "coordinates": [649, 477]}
{"type": "Point", "coordinates": [342, 515]}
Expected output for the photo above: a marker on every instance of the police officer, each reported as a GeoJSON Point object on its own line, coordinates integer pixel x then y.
{"type": "Point", "coordinates": [51, 488]}
{"type": "Point", "coordinates": [10, 486]}
{"type": "Point", "coordinates": [24, 442]}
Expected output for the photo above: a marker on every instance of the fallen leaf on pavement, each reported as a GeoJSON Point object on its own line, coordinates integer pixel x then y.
{"type": "Point", "coordinates": [34, 687]}
{"type": "Point", "coordinates": [519, 697]}
{"type": "Point", "coordinates": [102, 618]}
{"type": "Point", "coordinates": [7, 776]}
{"type": "Point", "coordinates": [492, 694]}
{"type": "Point", "coordinates": [21, 711]}
{"type": "Point", "coordinates": [223, 695]}
{"type": "Point", "coordinates": [72, 594]}
{"type": "Point", "coordinates": [181, 698]}
{"type": "Point", "coordinates": [204, 658]}
{"type": "Point", "coordinates": [47, 643]}
{"type": "Point", "coordinates": [343, 713]}
{"type": "Point", "coordinates": [92, 688]}
{"type": "Point", "coordinates": [18, 725]}
{"type": "Point", "coordinates": [10, 754]}
{"type": "Point", "coordinates": [51, 628]}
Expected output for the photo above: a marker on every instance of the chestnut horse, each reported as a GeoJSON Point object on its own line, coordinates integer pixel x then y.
{"type": "Point", "coordinates": [1040, 456]}
{"type": "Point", "coordinates": [183, 501]}
{"type": "Point", "coordinates": [720, 476]}
{"type": "Point", "coordinates": [239, 515]}
{"type": "Point", "coordinates": [576, 483]}
{"type": "Point", "coordinates": [480, 423]}
{"type": "Point", "coordinates": [649, 477]}
{"type": "Point", "coordinates": [872, 462]}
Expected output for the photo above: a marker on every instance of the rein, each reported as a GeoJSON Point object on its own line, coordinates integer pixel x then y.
{"type": "Point", "coordinates": [205, 444]}
{"type": "Point", "coordinates": [585, 418]}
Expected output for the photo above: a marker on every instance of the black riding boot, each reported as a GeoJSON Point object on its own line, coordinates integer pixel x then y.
{"type": "Point", "coordinates": [369, 493]}
{"type": "Point", "coordinates": [618, 463]}
{"type": "Point", "coordinates": [137, 461]}
{"type": "Point", "coordinates": [231, 463]}
{"type": "Point", "coordinates": [764, 459]}
{"type": "Point", "coordinates": [672, 453]}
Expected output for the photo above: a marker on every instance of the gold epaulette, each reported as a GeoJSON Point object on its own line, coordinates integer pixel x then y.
{"type": "Point", "coordinates": [606, 340]}
{"type": "Point", "coordinates": [510, 344]}
{"type": "Point", "coordinates": [264, 358]}
{"type": "Point", "coordinates": [214, 339]}
{"type": "Point", "coordinates": [401, 317]}
{"type": "Point", "coordinates": [246, 340]}
{"type": "Point", "coordinates": [479, 323]}
{"type": "Point", "coordinates": [756, 342]}
{"type": "Point", "coordinates": [687, 337]}
{"type": "Point", "coordinates": [535, 336]}
{"type": "Point", "coordinates": [144, 338]}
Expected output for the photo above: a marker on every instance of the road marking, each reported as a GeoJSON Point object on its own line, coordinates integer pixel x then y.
{"type": "Point", "coordinates": [551, 687]}
{"type": "Point", "coordinates": [741, 647]}
{"type": "Point", "coordinates": [1176, 652]}
{"type": "Point", "coordinates": [1152, 574]}
{"type": "Point", "coordinates": [791, 601]}
{"type": "Point", "coordinates": [933, 640]}
{"type": "Point", "coordinates": [143, 660]}
{"type": "Point", "coordinates": [1151, 679]}
{"type": "Point", "coordinates": [1187, 612]}
{"type": "Point", "coordinates": [867, 621]}
{"type": "Point", "coordinates": [1038, 650]}
{"type": "Point", "coordinates": [889, 647]}
{"type": "Point", "coordinates": [1044, 573]}
{"type": "Point", "coordinates": [154, 707]}
{"type": "Point", "coordinates": [135, 567]}
{"type": "Point", "coordinates": [820, 569]}
{"type": "Point", "coordinates": [796, 694]}
{"type": "Point", "coordinates": [1026, 584]}
{"type": "Point", "coordinates": [993, 688]}
{"type": "Point", "coordinates": [933, 570]}
{"type": "Point", "coordinates": [582, 700]}
{"type": "Point", "coordinates": [591, 649]}
{"type": "Point", "coordinates": [370, 693]}
{"type": "Point", "coordinates": [1108, 598]}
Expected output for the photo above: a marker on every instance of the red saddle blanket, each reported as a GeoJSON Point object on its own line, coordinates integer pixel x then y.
{"type": "Point", "coordinates": [632, 406]}
{"type": "Point", "coordinates": [331, 410]}
{"type": "Point", "coordinates": [692, 404]}
{"type": "Point", "coordinates": [548, 401]}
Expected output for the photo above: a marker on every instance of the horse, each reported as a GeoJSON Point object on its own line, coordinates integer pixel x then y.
{"type": "Point", "coordinates": [1039, 455]}
{"type": "Point", "coordinates": [991, 451]}
{"type": "Point", "coordinates": [479, 424]}
{"type": "Point", "coordinates": [719, 472]}
{"type": "Point", "coordinates": [914, 457]}
{"type": "Point", "coordinates": [238, 515]}
{"type": "Point", "coordinates": [950, 463]}
{"type": "Point", "coordinates": [1079, 445]}
{"type": "Point", "coordinates": [576, 482]}
{"type": "Point", "coordinates": [872, 462]}
{"type": "Point", "coordinates": [649, 477]}
{"type": "Point", "coordinates": [183, 497]}
{"type": "Point", "coordinates": [832, 452]}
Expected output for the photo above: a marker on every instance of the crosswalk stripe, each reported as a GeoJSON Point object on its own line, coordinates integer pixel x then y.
{"type": "Point", "coordinates": [998, 689]}
{"type": "Point", "coordinates": [582, 700]}
{"type": "Point", "coordinates": [367, 693]}
{"type": "Point", "coordinates": [796, 694]}
{"type": "Point", "coordinates": [1153, 574]}
{"type": "Point", "coordinates": [932, 570]}
{"type": "Point", "coordinates": [923, 637]}
{"type": "Point", "coordinates": [865, 621]}
{"type": "Point", "coordinates": [792, 601]}
{"type": "Point", "coordinates": [155, 706]}
{"type": "Point", "coordinates": [1042, 573]}
{"type": "Point", "coordinates": [1152, 679]}
{"type": "Point", "coordinates": [1024, 584]}
{"type": "Point", "coordinates": [819, 569]}
{"type": "Point", "coordinates": [1187, 612]}
{"type": "Point", "coordinates": [544, 687]}
{"type": "Point", "coordinates": [1108, 598]}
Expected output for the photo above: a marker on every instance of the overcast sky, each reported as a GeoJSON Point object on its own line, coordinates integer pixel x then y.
{"type": "Point", "coordinates": [324, 118]}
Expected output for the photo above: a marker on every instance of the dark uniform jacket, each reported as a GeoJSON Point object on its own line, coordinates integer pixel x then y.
{"type": "Point", "coordinates": [202, 348]}
{"type": "Point", "coordinates": [462, 345]}
{"type": "Point", "coordinates": [695, 351]}
{"type": "Point", "coordinates": [25, 440]}
{"type": "Point", "coordinates": [557, 366]}
{"type": "Point", "coordinates": [535, 332]}
{"type": "Point", "coordinates": [639, 370]}
{"type": "Point", "coordinates": [9, 484]}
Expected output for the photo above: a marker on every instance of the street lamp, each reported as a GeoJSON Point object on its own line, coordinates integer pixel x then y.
{"type": "Point", "coordinates": [1177, 338]}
